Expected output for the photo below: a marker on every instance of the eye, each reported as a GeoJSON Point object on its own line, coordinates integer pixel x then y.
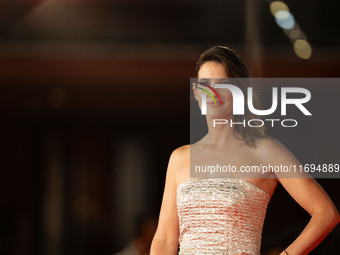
{"type": "Point", "coordinates": [203, 84]}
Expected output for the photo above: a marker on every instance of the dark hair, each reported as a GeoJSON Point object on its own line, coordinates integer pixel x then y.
{"type": "Point", "coordinates": [236, 68]}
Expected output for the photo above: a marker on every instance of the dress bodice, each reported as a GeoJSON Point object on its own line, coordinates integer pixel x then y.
{"type": "Point", "coordinates": [220, 216]}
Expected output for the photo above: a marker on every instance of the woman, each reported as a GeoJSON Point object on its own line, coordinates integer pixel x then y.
{"type": "Point", "coordinates": [225, 215]}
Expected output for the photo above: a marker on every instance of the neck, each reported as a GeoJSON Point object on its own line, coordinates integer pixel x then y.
{"type": "Point", "coordinates": [220, 133]}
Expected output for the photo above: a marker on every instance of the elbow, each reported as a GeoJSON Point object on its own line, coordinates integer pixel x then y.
{"type": "Point", "coordinates": [155, 246]}
{"type": "Point", "coordinates": [161, 246]}
{"type": "Point", "coordinates": [153, 249]}
{"type": "Point", "coordinates": [330, 216]}
{"type": "Point", "coordinates": [334, 217]}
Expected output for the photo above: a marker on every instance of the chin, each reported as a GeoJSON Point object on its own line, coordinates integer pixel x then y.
{"type": "Point", "coordinates": [219, 112]}
{"type": "Point", "coordinates": [215, 114]}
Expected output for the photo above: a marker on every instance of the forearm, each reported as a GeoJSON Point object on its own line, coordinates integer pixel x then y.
{"type": "Point", "coordinates": [317, 229]}
{"type": "Point", "coordinates": [162, 246]}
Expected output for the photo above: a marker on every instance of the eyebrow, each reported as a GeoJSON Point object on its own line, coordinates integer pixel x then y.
{"type": "Point", "coordinates": [221, 80]}
{"type": "Point", "coordinates": [217, 80]}
{"type": "Point", "coordinates": [203, 80]}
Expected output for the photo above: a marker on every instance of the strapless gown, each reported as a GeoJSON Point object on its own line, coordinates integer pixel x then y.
{"type": "Point", "coordinates": [220, 216]}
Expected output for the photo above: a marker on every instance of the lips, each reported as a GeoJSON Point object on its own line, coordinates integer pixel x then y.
{"type": "Point", "coordinates": [212, 102]}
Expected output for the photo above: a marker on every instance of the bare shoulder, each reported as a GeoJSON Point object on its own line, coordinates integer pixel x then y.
{"type": "Point", "coordinates": [275, 155]}
{"type": "Point", "coordinates": [271, 150]}
{"type": "Point", "coordinates": [180, 156]}
{"type": "Point", "coordinates": [181, 152]}
{"type": "Point", "coordinates": [269, 144]}
{"type": "Point", "coordinates": [180, 163]}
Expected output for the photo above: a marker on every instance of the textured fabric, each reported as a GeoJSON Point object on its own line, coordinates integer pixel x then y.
{"type": "Point", "coordinates": [220, 216]}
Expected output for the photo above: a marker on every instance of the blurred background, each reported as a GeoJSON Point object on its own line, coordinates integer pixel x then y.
{"type": "Point", "coordinates": [94, 97]}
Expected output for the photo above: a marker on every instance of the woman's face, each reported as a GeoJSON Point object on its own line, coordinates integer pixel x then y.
{"type": "Point", "coordinates": [212, 73]}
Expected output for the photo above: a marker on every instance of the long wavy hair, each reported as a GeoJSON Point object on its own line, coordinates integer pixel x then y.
{"type": "Point", "coordinates": [236, 68]}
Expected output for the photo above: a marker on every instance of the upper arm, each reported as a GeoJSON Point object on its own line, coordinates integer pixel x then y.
{"type": "Point", "coordinates": [168, 227]}
{"type": "Point", "coordinates": [301, 186]}
{"type": "Point", "coordinates": [309, 195]}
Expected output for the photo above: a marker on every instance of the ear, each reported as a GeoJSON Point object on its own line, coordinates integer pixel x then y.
{"type": "Point", "coordinates": [194, 90]}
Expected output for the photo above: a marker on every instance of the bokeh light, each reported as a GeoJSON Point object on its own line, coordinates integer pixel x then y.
{"type": "Point", "coordinates": [278, 6]}
{"type": "Point", "coordinates": [295, 34]}
{"type": "Point", "coordinates": [302, 49]}
{"type": "Point", "coordinates": [284, 19]}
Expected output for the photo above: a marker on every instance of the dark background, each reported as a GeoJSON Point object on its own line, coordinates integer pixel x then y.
{"type": "Point", "coordinates": [94, 97]}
